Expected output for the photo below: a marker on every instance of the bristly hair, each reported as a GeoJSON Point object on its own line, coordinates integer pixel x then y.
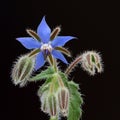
{"type": "Point", "coordinates": [73, 64]}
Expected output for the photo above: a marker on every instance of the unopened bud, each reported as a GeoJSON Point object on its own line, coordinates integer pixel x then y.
{"type": "Point", "coordinates": [63, 99]}
{"type": "Point", "coordinates": [91, 62]}
{"type": "Point", "coordinates": [52, 102]}
{"type": "Point", "coordinates": [22, 70]}
{"type": "Point", "coordinates": [44, 103]}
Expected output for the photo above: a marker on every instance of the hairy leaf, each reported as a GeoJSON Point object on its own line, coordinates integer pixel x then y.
{"type": "Point", "coordinates": [75, 111]}
{"type": "Point", "coordinates": [48, 73]}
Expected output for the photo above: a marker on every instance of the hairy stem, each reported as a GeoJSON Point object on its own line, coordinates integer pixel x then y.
{"type": "Point", "coordinates": [55, 65]}
{"type": "Point", "coordinates": [52, 62]}
{"type": "Point", "coordinates": [60, 81]}
{"type": "Point", "coordinates": [73, 65]}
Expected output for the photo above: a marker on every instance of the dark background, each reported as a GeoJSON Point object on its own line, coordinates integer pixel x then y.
{"type": "Point", "coordinates": [93, 23]}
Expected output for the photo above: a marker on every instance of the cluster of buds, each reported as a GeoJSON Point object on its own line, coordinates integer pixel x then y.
{"type": "Point", "coordinates": [91, 62]}
{"type": "Point", "coordinates": [22, 70]}
{"type": "Point", "coordinates": [55, 103]}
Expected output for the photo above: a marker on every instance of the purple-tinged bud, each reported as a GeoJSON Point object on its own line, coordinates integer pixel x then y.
{"type": "Point", "coordinates": [22, 70]}
{"type": "Point", "coordinates": [49, 104]}
{"type": "Point", "coordinates": [63, 100]}
{"type": "Point", "coordinates": [91, 62]}
{"type": "Point", "coordinates": [52, 102]}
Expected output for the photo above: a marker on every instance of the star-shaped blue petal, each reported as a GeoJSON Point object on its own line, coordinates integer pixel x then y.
{"type": "Point", "coordinates": [61, 40]}
{"type": "Point", "coordinates": [29, 42]}
{"type": "Point", "coordinates": [59, 55]}
{"type": "Point", "coordinates": [44, 31]}
{"type": "Point", "coordinates": [40, 61]}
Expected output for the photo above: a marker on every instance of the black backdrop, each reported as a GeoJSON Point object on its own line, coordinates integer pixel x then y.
{"type": "Point", "coordinates": [92, 22]}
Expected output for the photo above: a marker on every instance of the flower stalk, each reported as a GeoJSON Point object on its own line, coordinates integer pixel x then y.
{"type": "Point", "coordinates": [60, 81]}
{"type": "Point", "coordinates": [73, 65]}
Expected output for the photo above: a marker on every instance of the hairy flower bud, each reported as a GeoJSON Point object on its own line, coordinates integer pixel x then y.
{"type": "Point", "coordinates": [44, 103]}
{"type": "Point", "coordinates": [49, 103]}
{"type": "Point", "coordinates": [63, 99]}
{"type": "Point", "coordinates": [22, 70]}
{"type": "Point", "coordinates": [91, 62]}
{"type": "Point", "coordinates": [52, 102]}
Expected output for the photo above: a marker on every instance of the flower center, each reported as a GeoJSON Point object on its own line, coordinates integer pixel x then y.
{"type": "Point", "coordinates": [46, 49]}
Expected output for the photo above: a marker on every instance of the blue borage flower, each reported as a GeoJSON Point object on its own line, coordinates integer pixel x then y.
{"type": "Point", "coordinates": [45, 43]}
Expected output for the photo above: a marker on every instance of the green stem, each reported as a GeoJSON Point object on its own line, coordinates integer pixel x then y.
{"type": "Point", "coordinates": [52, 62]}
{"type": "Point", "coordinates": [60, 81]}
{"type": "Point", "coordinates": [55, 65]}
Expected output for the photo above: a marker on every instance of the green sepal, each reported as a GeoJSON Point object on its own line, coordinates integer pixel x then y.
{"type": "Point", "coordinates": [93, 58]}
{"type": "Point", "coordinates": [64, 50]}
{"type": "Point", "coordinates": [33, 34]}
{"type": "Point", "coordinates": [48, 73]}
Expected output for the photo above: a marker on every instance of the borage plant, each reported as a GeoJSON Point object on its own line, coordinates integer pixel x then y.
{"type": "Point", "coordinates": [58, 95]}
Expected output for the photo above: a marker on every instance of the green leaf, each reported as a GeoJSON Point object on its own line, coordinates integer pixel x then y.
{"type": "Point", "coordinates": [75, 111]}
{"type": "Point", "coordinates": [48, 73]}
